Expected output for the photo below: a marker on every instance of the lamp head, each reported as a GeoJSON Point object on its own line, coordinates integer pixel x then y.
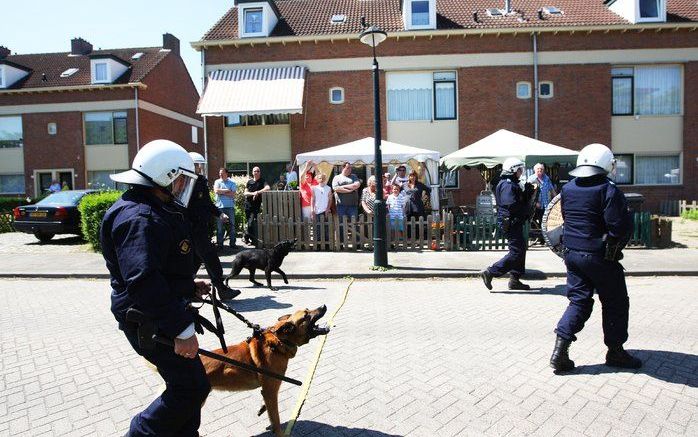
{"type": "Point", "coordinates": [372, 36]}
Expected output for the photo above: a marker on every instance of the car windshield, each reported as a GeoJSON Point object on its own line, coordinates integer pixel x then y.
{"type": "Point", "coordinates": [62, 198]}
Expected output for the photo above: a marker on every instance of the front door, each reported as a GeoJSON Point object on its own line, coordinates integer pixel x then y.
{"type": "Point", "coordinates": [66, 177]}
{"type": "Point", "coordinates": [45, 178]}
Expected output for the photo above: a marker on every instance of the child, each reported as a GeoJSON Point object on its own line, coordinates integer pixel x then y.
{"type": "Point", "coordinates": [321, 195]}
{"type": "Point", "coordinates": [396, 209]}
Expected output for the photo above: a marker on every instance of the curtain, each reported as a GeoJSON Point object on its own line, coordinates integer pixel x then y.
{"type": "Point", "coordinates": [445, 100]}
{"type": "Point", "coordinates": [624, 169]}
{"type": "Point", "coordinates": [98, 128]}
{"type": "Point", "coordinates": [622, 96]}
{"type": "Point", "coordinates": [409, 104]}
{"type": "Point", "coordinates": [657, 170]}
{"type": "Point", "coordinates": [12, 184]}
{"type": "Point", "coordinates": [657, 90]}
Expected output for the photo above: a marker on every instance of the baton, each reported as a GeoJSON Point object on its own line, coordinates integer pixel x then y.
{"type": "Point", "coordinates": [236, 363]}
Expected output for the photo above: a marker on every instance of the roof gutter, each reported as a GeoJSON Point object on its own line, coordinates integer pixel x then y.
{"type": "Point", "coordinates": [203, 44]}
{"type": "Point", "coordinates": [54, 89]}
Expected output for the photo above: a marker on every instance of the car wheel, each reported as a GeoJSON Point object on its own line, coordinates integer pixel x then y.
{"type": "Point", "coordinates": [43, 237]}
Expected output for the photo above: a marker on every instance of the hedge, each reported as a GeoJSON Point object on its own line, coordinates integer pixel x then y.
{"type": "Point", "coordinates": [92, 209]}
{"type": "Point", "coordinates": [8, 203]}
{"type": "Point", "coordinates": [690, 214]}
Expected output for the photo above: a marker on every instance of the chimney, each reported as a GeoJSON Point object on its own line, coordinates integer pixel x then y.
{"type": "Point", "coordinates": [171, 43]}
{"type": "Point", "coordinates": [4, 52]}
{"type": "Point", "coordinates": [507, 6]}
{"type": "Point", "coordinates": [79, 46]}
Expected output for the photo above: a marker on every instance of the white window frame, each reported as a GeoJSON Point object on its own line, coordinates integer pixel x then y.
{"type": "Point", "coordinates": [661, 13]}
{"type": "Point", "coordinates": [2, 76]}
{"type": "Point", "coordinates": [21, 124]}
{"type": "Point", "coordinates": [195, 135]}
{"type": "Point", "coordinates": [651, 155]}
{"type": "Point", "coordinates": [528, 87]}
{"type": "Point", "coordinates": [682, 90]}
{"type": "Point", "coordinates": [337, 88]}
{"type": "Point", "coordinates": [407, 16]}
{"type": "Point", "coordinates": [107, 71]}
{"type": "Point", "coordinates": [244, 32]}
{"type": "Point", "coordinates": [552, 89]}
{"type": "Point", "coordinates": [54, 175]}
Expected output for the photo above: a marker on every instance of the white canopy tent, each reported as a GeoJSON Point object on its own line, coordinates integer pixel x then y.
{"type": "Point", "coordinates": [495, 148]}
{"type": "Point", "coordinates": [361, 152]}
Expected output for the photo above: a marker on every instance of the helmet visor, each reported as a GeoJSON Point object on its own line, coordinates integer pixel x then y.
{"type": "Point", "coordinates": [182, 187]}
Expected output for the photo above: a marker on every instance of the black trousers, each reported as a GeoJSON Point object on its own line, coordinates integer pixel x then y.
{"type": "Point", "coordinates": [251, 228]}
{"type": "Point", "coordinates": [205, 251]}
{"type": "Point", "coordinates": [586, 273]}
{"type": "Point", "coordinates": [177, 411]}
{"type": "Point", "coordinates": [515, 260]}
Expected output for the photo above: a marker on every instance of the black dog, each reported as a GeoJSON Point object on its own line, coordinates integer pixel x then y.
{"type": "Point", "coordinates": [268, 260]}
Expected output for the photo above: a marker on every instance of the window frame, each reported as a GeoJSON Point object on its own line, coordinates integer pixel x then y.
{"type": "Point", "coordinates": [246, 11]}
{"type": "Point", "coordinates": [659, 155]}
{"type": "Point", "coordinates": [632, 94]}
{"type": "Point", "coordinates": [455, 94]}
{"type": "Point", "coordinates": [661, 12]}
{"type": "Point", "coordinates": [113, 127]}
{"type": "Point", "coordinates": [21, 175]}
{"type": "Point", "coordinates": [195, 135]}
{"type": "Point", "coordinates": [530, 89]}
{"type": "Point", "coordinates": [412, 2]}
{"type": "Point", "coordinates": [407, 16]}
{"type": "Point", "coordinates": [632, 168]}
{"type": "Point", "coordinates": [20, 141]}
{"type": "Point", "coordinates": [106, 72]}
{"type": "Point", "coordinates": [244, 120]}
{"type": "Point", "coordinates": [552, 89]}
{"type": "Point", "coordinates": [337, 88]}
{"type": "Point", "coordinates": [442, 180]}
{"type": "Point", "coordinates": [681, 90]}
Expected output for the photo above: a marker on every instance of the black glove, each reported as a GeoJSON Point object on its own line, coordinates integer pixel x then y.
{"type": "Point", "coordinates": [614, 247]}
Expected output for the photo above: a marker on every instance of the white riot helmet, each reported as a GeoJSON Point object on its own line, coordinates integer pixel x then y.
{"type": "Point", "coordinates": [162, 163]}
{"type": "Point", "coordinates": [594, 159]}
{"type": "Point", "coordinates": [512, 165]}
{"type": "Point", "coordinates": [197, 158]}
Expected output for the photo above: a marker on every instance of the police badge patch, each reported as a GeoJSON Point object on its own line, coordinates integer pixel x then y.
{"type": "Point", "coordinates": [184, 247]}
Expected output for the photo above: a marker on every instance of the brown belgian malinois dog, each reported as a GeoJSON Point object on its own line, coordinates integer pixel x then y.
{"type": "Point", "coordinates": [270, 350]}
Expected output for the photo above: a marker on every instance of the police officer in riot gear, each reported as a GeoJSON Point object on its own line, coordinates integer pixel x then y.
{"type": "Point", "coordinates": [513, 210]}
{"type": "Point", "coordinates": [201, 209]}
{"type": "Point", "coordinates": [147, 245]}
{"type": "Point", "coordinates": [597, 225]}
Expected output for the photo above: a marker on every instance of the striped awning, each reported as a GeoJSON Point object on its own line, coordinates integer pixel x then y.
{"type": "Point", "coordinates": [253, 92]}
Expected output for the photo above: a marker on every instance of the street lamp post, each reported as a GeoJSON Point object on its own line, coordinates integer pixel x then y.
{"type": "Point", "coordinates": [373, 36]}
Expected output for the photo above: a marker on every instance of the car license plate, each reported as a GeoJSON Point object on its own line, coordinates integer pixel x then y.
{"type": "Point", "coordinates": [37, 214]}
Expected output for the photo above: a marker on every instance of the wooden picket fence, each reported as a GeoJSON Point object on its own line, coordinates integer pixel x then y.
{"type": "Point", "coordinates": [685, 206]}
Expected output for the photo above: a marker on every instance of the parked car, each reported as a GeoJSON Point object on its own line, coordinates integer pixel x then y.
{"type": "Point", "coordinates": [57, 213]}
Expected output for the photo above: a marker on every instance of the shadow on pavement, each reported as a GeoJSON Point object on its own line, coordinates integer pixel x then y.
{"type": "Point", "coordinates": [73, 240]}
{"type": "Point", "coordinates": [307, 427]}
{"type": "Point", "coordinates": [674, 367]}
{"type": "Point", "coordinates": [436, 269]}
{"type": "Point", "coordinates": [256, 303]}
{"type": "Point", "coordinates": [558, 290]}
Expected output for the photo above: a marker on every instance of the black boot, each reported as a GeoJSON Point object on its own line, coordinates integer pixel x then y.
{"type": "Point", "coordinates": [619, 357]}
{"type": "Point", "coordinates": [225, 292]}
{"type": "Point", "coordinates": [560, 360]}
{"type": "Point", "coordinates": [486, 278]}
{"type": "Point", "coordinates": [516, 284]}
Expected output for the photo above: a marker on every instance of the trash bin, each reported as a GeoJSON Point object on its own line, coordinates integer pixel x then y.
{"type": "Point", "coordinates": [635, 201]}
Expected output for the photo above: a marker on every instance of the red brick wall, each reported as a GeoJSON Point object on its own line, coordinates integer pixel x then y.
{"type": "Point", "coordinates": [170, 86]}
{"type": "Point", "coordinates": [67, 97]}
{"type": "Point", "coordinates": [44, 151]}
{"type": "Point", "coordinates": [154, 127]}
{"type": "Point", "coordinates": [216, 159]}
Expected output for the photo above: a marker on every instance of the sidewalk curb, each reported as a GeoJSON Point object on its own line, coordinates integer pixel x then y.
{"type": "Point", "coordinates": [377, 275]}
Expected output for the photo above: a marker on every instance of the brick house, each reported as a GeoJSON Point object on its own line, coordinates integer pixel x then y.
{"type": "Point", "coordinates": [77, 117]}
{"type": "Point", "coordinates": [568, 72]}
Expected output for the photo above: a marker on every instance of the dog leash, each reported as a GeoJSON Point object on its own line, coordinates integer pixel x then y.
{"type": "Point", "coordinates": [256, 329]}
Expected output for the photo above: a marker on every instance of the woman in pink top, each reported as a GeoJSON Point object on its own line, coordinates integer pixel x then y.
{"type": "Point", "coordinates": [306, 190]}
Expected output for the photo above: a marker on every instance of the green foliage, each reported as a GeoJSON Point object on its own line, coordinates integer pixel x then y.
{"type": "Point", "coordinates": [8, 203]}
{"type": "Point", "coordinates": [92, 209]}
{"type": "Point", "coordinates": [690, 214]}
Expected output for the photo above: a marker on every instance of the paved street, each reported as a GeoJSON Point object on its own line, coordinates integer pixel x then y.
{"type": "Point", "coordinates": [405, 357]}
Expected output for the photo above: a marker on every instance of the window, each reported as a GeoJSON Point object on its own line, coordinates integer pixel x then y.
{"type": "Point", "coordinates": [647, 90]}
{"type": "Point", "coordinates": [657, 170]}
{"type": "Point", "coordinates": [105, 128]}
{"type": "Point", "coordinates": [649, 8]}
{"type": "Point", "coordinates": [12, 184]}
{"type": "Point", "coordinates": [422, 96]}
{"type": "Point", "coordinates": [523, 90]}
{"type": "Point", "coordinates": [420, 12]}
{"type": "Point", "coordinates": [336, 95]}
{"type": "Point", "coordinates": [449, 179]}
{"type": "Point", "coordinates": [69, 72]}
{"type": "Point", "coordinates": [256, 120]}
{"type": "Point", "coordinates": [624, 169]}
{"type": "Point", "coordinates": [52, 128]}
{"type": "Point", "coordinates": [271, 171]}
{"type": "Point", "coordinates": [545, 90]}
{"type": "Point", "coordinates": [338, 19]}
{"type": "Point", "coordinates": [445, 95]}
{"type": "Point", "coordinates": [194, 135]}
{"type": "Point", "coordinates": [101, 180]}
{"type": "Point", "coordinates": [10, 132]}
{"type": "Point", "coordinates": [253, 20]}
{"type": "Point", "coordinates": [101, 72]}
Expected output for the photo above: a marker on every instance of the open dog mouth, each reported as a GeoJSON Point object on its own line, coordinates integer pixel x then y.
{"type": "Point", "coordinates": [315, 330]}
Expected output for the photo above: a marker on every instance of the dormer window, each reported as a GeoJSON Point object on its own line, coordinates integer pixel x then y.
{"type": "Point", "coordinates": [256, 18]}
{"type": "Point", "coordinates": [419, 14]}
{"type": "Point", "coordinates": [649, 9]}
{"type": "Point", "coordinates": [253, 20]}
{"type": "Point", "coordinates": [10, 73]}
{"type": "Point", "coordinates": [640, 11]}
{"type": "Point", "coordinates": [101, 72]}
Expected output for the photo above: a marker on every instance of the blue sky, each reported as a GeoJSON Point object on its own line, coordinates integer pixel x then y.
{"type": "Point", "coordinates": [45, 26]}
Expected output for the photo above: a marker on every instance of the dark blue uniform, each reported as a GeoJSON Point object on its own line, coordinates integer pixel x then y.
{"type": "Point", "coordinates": [200, 211]}
{"type": "Point", "coordinates": [148, 250]}
{"type": "Point", "coordinates": [512, 208]}
{"type": "Point", "coordinates": [594, 209]}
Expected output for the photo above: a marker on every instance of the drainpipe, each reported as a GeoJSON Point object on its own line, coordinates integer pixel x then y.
{"type": "Point", "coordinates": [535, 85]}
{"type": "Point", "coordinates": [203, 85]}
{"type": "Point", "coordinates": [138, 132]}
